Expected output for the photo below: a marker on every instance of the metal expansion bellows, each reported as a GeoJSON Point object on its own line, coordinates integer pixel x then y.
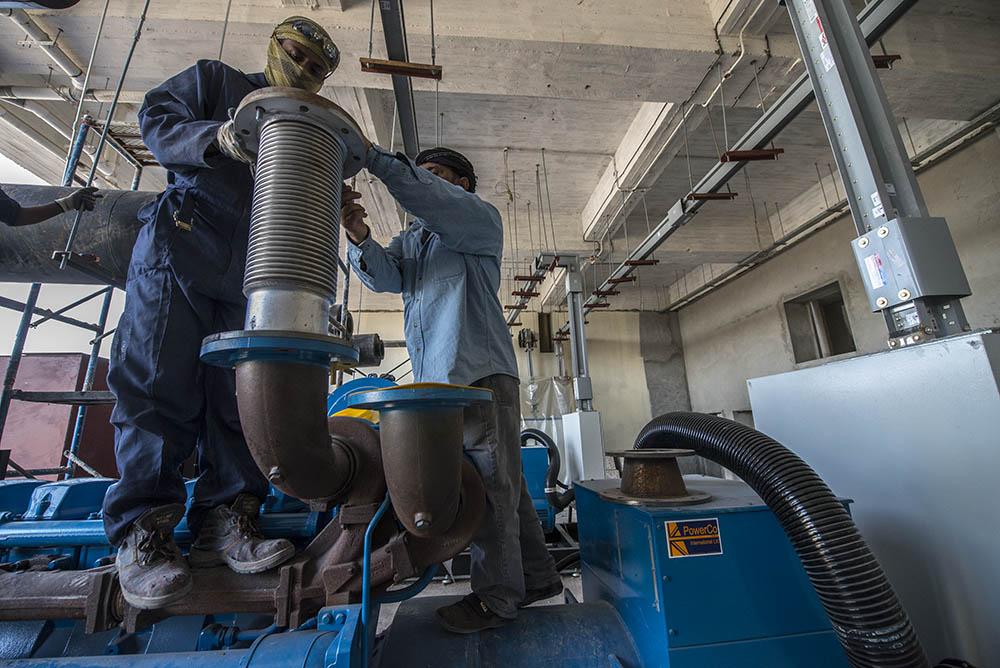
{"type": "Point", "coordinates": [295, 220]}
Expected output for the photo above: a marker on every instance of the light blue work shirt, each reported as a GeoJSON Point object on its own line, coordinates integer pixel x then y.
{"type": "Point", "coordinates": [446, 265]}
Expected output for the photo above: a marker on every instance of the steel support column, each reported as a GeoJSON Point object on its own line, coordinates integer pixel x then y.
{"type": "Point", "coordinates": [10, 376]}
{"type": "Point", "coordinates": [394, 28]}
{"type": "Point", "coordinates": [908, 261]}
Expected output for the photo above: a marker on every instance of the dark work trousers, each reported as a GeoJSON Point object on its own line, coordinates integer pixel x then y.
{"type": "Point", "coordinates": [508, 550]}
{"type": "Point", "coordinates": [170, 404]}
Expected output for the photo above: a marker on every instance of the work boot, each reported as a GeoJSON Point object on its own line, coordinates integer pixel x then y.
{"type": "Point", "coordinates": [152, 571]}
{"type": "Point", "coordinates": [541, 593]}
{"type": "Point", "coordinates": [469, 616]}
{"type": "Point", "coordinates": [229, 535]}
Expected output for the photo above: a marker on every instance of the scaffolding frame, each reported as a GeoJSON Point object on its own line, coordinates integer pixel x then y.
{"type": "Point", "coordinates": [138, 156]}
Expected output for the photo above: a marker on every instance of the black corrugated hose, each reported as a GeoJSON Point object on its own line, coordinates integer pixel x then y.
{"type": "Point", "coordinates": [872, 626]}
{"type": "Point", "coordinates": [558, 500]}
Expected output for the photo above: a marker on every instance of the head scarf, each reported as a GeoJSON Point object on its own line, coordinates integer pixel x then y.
{"type": "Point", "coordinates": [452, 160]}
{"type": "Point", "coordinates": [281, 70]}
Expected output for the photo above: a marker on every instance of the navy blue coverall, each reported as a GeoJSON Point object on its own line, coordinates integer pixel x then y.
{"type": "Point", "coordinates": [185, 282]}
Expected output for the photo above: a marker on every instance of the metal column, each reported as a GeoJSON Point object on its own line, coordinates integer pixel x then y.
{"type": "Point", "coordinates": [582, 387]}
{"type": "Point", "coordinates": [15, 354]}
{"type": "Point", "coordinates": [394, 27]}
{"type": "Point", "coordinates": [88, 382]}
{"type": "Point", "coordinates": [908, 261]}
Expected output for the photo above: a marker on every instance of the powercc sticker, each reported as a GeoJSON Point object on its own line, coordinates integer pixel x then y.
{"type": "Point", "coordinates": [694, 538]}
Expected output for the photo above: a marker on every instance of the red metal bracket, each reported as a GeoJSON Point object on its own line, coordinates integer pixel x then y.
{"type": "Point", "coordinates": [885, 61]}
{"type": "Point", "coordinates": [752, 155]}
{"type": "Point", "coordinates": [401, 68]}
{"type": "Point", "coordinates": [702, 197]}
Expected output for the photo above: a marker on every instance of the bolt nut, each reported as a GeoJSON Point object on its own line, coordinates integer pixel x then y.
{"type": "Point", "coordinates": [422, 520]}
{"type": "Point", "coordinates": [881, 302]}
{"type": "Point", "coordinates": [883, 232]}
{"type": "Point", "coordinates": [340, 618]}
{"type": "Point", "coordinates": [863, 242]}
{"type": "Point", "coordinates": [326, 618]}
{"type": "Point", "coordinates": [904, 294]}
{"type": "Point", "coordinates": [893, 343]}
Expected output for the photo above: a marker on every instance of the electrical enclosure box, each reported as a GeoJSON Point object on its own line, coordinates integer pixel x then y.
{"type": "Point", "coordinates": [714, 584]}
{"type": "Point", "coordinates": [909, 258]}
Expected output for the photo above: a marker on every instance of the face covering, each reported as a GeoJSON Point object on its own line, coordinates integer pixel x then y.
{"type": "Point", "coordinates": [281, 70]}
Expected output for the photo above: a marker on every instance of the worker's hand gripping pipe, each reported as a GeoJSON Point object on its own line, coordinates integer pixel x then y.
{"type": "Point", "coordinates": [872, 626]}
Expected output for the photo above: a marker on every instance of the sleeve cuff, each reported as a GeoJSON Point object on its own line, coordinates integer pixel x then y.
{"type": "Point", "coordinates": [388, 166]}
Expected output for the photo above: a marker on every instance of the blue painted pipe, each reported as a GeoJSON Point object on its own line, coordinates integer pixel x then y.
{"type": "Point", "coordinates": [307, 649]}
{"type": "Point", "coordinates": [90, 533]}
{"type": "Point", "coordinates": [366, 594]}
{"type": "Point", "coordinates": [79, 140]}
{"type": "Point", "coordinates": [409, 591]}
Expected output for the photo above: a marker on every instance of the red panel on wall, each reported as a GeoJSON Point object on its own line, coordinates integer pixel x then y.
{"type": "Point", "coordinates": [37, 434]}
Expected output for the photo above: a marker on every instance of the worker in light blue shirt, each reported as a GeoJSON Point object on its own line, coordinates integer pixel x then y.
{"type": "Point", "coordinates": [446, 266]}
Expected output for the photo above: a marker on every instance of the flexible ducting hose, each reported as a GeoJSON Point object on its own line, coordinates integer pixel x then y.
{"type": "Point", "coordinates": [872, 626]}
{"type": "Point", "coordinates": [558, 500]}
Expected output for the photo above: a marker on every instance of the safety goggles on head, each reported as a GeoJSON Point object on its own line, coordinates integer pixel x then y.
{"type": "Point", "coordinates": [310, 32]}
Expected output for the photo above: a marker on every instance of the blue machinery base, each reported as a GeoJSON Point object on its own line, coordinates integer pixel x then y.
{"type": "Point", "coordinates": [737, 599]}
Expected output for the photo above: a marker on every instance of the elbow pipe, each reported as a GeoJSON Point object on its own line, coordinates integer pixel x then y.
{"type": "Point", "coordinates": [283, 413]}
{"type": "Point", "coordinates": [869, 620]}
{"type": "Point", "coordinates": [558, 500]}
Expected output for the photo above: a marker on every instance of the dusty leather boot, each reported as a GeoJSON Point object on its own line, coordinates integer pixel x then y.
{"type": "Point", "coordinates": [151, 569]}
{"type": "Point", "coordinates": [229, 535]}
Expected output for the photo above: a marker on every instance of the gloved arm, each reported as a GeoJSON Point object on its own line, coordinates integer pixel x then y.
{"type": "Point", "coordinates": [176, 118]}
{"type": "Point", "coordinates": [230, 145]}
{"type": "Point", "coordinates": [463, 221]}
{"type": "Point", "coordinates": [16, 216]}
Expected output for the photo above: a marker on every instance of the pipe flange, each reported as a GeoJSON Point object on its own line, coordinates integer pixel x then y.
{"type": "Point", "coordinates": [692, 498]}
{"type": "Point", "coordinates": [228, 349]}
{"type": "Point", "coordinates": [263, 105]}
{"type": "Point", "coordinates": [422, 395]}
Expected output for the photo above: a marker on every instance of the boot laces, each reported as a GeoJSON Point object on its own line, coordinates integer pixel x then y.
{"type": "Point", "coordinates": [246, 526]}
{"type": "Point", "coordinates": [157, 545]}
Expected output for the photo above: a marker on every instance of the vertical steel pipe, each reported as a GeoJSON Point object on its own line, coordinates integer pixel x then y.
{"type": "Point", "coordinates": [64, 256]}
{"type": "Point", "coordinates": [16, 352]}
{"type": "Point", "coordinates": [88, 382]}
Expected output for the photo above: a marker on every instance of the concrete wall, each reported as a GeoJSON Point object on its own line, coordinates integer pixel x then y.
{"type": "Point", "coordinates": [739, 331]}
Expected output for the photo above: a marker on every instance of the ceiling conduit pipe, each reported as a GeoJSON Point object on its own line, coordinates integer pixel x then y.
{"type": "Point", "coordinates": [50, 119]}
{"type": "Point", "coordinates": [68, 94]}
{"type": "Point", "coordinates": [37, 34]}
